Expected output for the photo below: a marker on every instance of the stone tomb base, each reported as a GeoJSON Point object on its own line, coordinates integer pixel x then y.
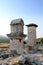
{"type": "Point", "coordinates": [16, 45]}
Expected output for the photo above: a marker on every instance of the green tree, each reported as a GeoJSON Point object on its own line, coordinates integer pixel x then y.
{"type": "Point", "coordinates": [40, 40]}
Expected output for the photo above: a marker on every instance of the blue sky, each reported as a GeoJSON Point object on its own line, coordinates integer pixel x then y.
{"type": "Point", "coordinates": [31, 11]}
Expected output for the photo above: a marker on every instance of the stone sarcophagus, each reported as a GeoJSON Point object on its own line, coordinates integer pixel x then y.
{"type": "Point", "coordinates": [16, 36]}
{"type": "Point", "coordinates": [17, 26]}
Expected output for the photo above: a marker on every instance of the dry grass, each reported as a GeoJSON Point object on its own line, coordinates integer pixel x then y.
{"type": "Point", "coordinates": [4, 44]}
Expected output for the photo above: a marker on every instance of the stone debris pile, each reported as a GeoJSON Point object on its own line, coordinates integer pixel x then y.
{"type": "Point", "coordinates": [29, 59]}
{"type": "Point", "coordinates": [24, 59]}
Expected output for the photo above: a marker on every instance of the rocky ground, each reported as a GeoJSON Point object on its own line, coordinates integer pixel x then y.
{"type": "Point", "coordinates": [24, 59]}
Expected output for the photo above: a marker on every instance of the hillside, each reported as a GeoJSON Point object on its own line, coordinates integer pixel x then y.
{"type": "Point", "coordinates": [4, 39]}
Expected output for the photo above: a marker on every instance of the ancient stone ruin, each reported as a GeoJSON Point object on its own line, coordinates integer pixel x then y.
{"type": "Point", "coordinates": [31, 34]}
{"type": "Point", "coordinates": [17, 36]}
{"type": "Point", "coordinates": [19, 52]}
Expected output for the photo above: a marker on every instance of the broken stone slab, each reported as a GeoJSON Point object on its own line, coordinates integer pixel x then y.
{"type": "Point", "coordinates": [29, 58]}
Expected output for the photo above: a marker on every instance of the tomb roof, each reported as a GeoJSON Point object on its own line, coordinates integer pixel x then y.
{"type": "Point", "coordinates": [32, 24]}
{"type": "Point", "coordinates": [17, 21]}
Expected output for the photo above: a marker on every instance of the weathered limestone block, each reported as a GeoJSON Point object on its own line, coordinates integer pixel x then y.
{"type": "Point", "coordinates": [29, 59]}
{"type": "Point", "coordinates": [31, 33]}
{"type": "Point", "coordinates": [17, 26]}
{"type": "Point", "coordinates": [16, 45]}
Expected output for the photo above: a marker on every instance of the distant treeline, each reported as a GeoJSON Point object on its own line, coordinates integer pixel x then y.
{"type": "Point", "coordinates": [40, 40]}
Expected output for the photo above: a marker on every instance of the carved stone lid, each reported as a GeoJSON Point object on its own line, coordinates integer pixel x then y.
{"type": "Point", "coordinates": [17, 35]}
{"type": "Point", "coordinates": [32, 24]}
{"type": "Point", "coordinates": [17, 21]}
